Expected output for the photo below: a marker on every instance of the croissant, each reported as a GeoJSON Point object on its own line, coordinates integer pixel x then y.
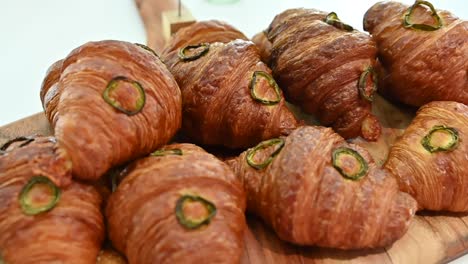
{"type": "Point", "coordinates": [45, 217]}
{"type": "Point", "coordinates": [110, 102]}
{"type": "Point", "coordinates": [264, 46]}
{"type": "Point", "coordinates": [229, 96]}
{"type": "Point", "coordinates": [423, 51]}
{"type": "Point", "coordinates": [430, 160]}
{"type": "Point", "coordinates": [314, 188]}
{"type": "Point", "coordinates": [326, 68]}
{"type": "Point", "coordinates": [180, 205]}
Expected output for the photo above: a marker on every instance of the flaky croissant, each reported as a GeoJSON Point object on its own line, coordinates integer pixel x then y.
{"type": "Point", "coordinates": [180, 205]}
{"type": "Point", "coordinates": [423, 52]}
{"type": "Point", "coordinates": [430, 160]}
{"type": "Point", "coordinates": [109, 102]}
{"type": "Point", "coordinates": [229, 96]}
{"type": "Point", "coordinates": [313, 188]}
{"type": "Point", "coordinates": [44, 216]}
{"type": "Point", "coordinates": [326, 68]}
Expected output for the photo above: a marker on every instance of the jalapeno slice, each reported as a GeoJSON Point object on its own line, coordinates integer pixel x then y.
{"type": "Point", "coordinates": [365, 90]}
{"type": "Point", "coordinates": [188, 211]}
{"type": "Point", "coordinates": [165, 152]}
{"type": "Point", "coordinates": [440, 138]}
{"type": "Point", "coordinates": [199, 50]}
{"type": "Point", "coordinates": [125, 95]}
{"type": "Point", "coordinates": [332, 19]}
{"type": "Point", "coordinates": [349, 163]}
{"type": "Point", "coordinates": [256, 76]}
{"type": "Point", "coordinates": [279, 142]}
{"type": "Point", "coordinates": [26, 140]}
{"type": "Point", "coordinates": [424, 27]}
{"type": "Point", "coordinates": [147, 48]}
{"type": "Point", "coordinates": [39, 195]}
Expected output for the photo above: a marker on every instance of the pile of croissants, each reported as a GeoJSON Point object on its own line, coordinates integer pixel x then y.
{"type": "Point", "coordinates": [111, 176]}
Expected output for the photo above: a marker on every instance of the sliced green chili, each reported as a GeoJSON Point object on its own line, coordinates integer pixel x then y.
{"type": "Point", "coordinates": [148, 49]}
{"type": "Point", "coordinates": [433, 144]}
{"type": "Point", "coordinates": [111, 96]}
{"type": "Point", "coordinates": [365, 93]}
{"type": "Point", "coordinates": [349, 163]}
{"type": "Point", "coordinates": [27, 202]}
{"type": "Point", "coordinates": [253, 88]}
{"type": "Point", "coordinates": [191, 222]}
{"type": "Point", "coordinates": [409, 12]}
{"type": "Point", "coordinates": [26, 140]}
{"type": "Point", "coordinates": [205, 47]}
{"type": "Point", "coordinates": [165, 152]}
{"type": "Point", "coordinates": [263, 145]}
{"type": "Point", "coordinates": [332, 19]}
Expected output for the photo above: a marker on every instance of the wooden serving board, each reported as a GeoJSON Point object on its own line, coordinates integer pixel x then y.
{"type": "Point", "coordinates": [432, 238]}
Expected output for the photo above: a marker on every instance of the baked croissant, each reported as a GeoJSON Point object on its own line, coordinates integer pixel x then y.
{"type": "Point", "coordinates": [326, 68]}
{"type": "Point", "coordinates": [44, 216]}
{"type": "Point", "coordinates": [430, 160]}
{"type": "Point", "coordinates": [314, 188]}
{"type": "Point", "coordinates": [110, 102]}
{"type": "Point", "coordinates": [423, 52]}
{"type": "Point", "coordinates": [180, 205]}
{"type": "Point", "coordinates": [229, 96]}
{"type": "Point", "coordinates": [264, 46]}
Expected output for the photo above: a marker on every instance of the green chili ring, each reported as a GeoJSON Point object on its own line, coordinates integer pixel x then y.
{"type": "Point", "coordinates": [165, 152]}
{"type": "Point", "coordinates": [362, 162]}
{"type": "Point", "coordinates": [272, 84]}
{"type": "Point", "coordinates": [148, 49]}
{"type": "Point", "coordinates": [29, 209]}
{"type": "Point", "coordinates": [332, 19]}
{"type": "Point", "coordinates": [251, 153]}
{"type": "Point", "coordinates": [114, 84]}
{"type": "Point", "coordinates": [408, 24]}
{"type": "Point", "coordinates": [363, 81]}
{"type": "Point", "coordinates": [426, 140]}
{"type": "Point", "coordinates": [194, 224]}
{"type": "Point", "coordinates": [26, 140]}
{"type": "Point", "coordinates": [183, 57]}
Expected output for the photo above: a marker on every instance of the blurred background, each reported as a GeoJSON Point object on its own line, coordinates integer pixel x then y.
{"type": "Point", "coordinates": [34, 34]}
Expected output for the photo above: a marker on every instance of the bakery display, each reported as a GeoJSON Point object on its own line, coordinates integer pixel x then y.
{"type": "Point", "coordinates": [229, 96]}
{"type": "Point", "coordinates": [179, 205]}
{"type": "Point", "coordinates": [110, 102]}
{"type": "Point", "coordinates": [422, 50]}
{"type": "Point", "coordinates": [327, 68]}
{"type": "Point", "coordinates": [314, 188]}
{"type": "Point", "coordinates": [45, 217]}
{"type": "Point", "coordinates": [430, 159]}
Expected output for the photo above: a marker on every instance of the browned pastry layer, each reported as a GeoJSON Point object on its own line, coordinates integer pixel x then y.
{"type": "Point", "coordinates": [95, 132]}
{"type": "Point", "coordinates": [263, 45]}
{"type": "Point", "coordinates": [306, 200]}
{"type": "Point", "coordinates": [319, 66]}
{"type": "Point", "coordinates": [70, 232]}
{"type": "Point", "coordinates": [145, 221]}
{"type": "Point", "coordinates": [420, 66]}
{"type": "Point", "coordinates": [437, 180]}
{"type": "Point", "coordinates": [219, 107]}
{"type": "Point", "coordinates": [203, 31]}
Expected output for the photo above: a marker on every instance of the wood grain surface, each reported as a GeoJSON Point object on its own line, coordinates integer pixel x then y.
{"type": "Point", "coordinates": [432, 237]}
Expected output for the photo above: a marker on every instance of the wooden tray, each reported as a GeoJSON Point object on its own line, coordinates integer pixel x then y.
{"type": "Point", "coordinates": [432, 238]}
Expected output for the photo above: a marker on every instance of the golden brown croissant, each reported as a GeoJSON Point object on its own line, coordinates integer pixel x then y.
{"type": "Point", "coordinates": [229, 96]}
{"type": "Point", "coordinates": [430, 160]}
{"type": "Point", "coordinates": [109, 102]}
{"type": "Point", "coordinates": [326, 68]}
{"type": "Point", "coordinates": [314, 188]}
{"type": "Point", "coordinates": [424, 52]}
{"type": "Point", "coordinates": [203, 32]}
{"type": "Point", "coordinates": [180, 205]}
{"type": "Point", "coordinates": [44, 216]}
{"type": "Point", "coordinates": [263, 45]}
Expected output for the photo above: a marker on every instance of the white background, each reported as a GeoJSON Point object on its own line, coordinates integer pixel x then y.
{"type": "Point", "coordinates": [36, 33]}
